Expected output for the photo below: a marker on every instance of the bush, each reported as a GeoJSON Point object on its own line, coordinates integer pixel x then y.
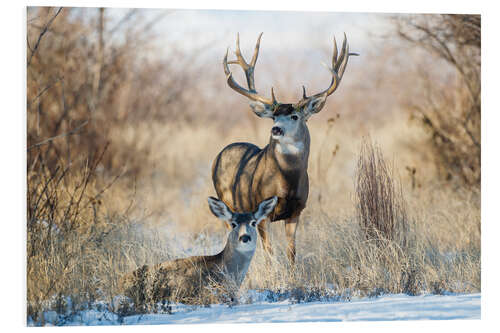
{"type": "Point", "coordinates": [450, 110]}
{"type": "Point", "coordinates": [66, 228]}
{"type": "Point", "coordinates": [380, 204]}
{"type": "Point", "coordinates": [88, 83]}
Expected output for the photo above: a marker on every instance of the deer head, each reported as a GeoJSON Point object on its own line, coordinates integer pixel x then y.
{"type": "Point", "coordinates": [289, 119]}
{"type": "Point", "coordinates": [243, 235]}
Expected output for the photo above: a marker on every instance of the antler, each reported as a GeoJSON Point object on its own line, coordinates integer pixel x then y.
{"type": "Point", "coordinates": [249, 71]}
{"type": "Point", "coordinates": [339, 65]}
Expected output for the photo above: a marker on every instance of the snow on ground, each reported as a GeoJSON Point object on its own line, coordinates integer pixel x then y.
{"type": "Point", "coordinates": [387, 307]}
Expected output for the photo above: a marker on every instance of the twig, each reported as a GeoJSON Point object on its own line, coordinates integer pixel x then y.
{"type": "Point", "coordinates": [127, 17]}
{"type": "Point", "coordinates": [43, 91]}
{"type": "Point", "coordinates": [45, 29]}
{"type": "Point", "coordinates": [73, 131]}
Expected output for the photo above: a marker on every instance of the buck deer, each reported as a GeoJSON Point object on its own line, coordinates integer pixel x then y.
{"type": "Point", "coordinates": [189, 278]}
{"type": "Point", "coordinates": [243, 174]}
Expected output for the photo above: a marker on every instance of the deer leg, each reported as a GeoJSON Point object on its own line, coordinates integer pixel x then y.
{"type": "Point", "coordinates": [290, 230]}
{"type": "Point", "coordinates": [263, 226]}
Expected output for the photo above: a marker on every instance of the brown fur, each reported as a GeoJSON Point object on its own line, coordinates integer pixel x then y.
{"type": "Point", "coordinates": [189, 280]}
{"type": "Point", "coordinates": [244, 175]}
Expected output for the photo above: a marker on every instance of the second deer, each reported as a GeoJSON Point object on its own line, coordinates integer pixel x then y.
{"type": "Point", "coordinates": [200, 278]}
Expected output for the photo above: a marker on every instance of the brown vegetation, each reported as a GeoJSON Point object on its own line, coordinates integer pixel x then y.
{"type": "Point", "coordinates": [451, 110]}
{"type": "Point", "coordinates": [119, 153]}
{"type": "Point", "coordinates": [380, 203]}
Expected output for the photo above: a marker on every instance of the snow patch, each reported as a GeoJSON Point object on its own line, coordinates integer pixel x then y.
{"type": "Point", "coordinates": [387, 307]}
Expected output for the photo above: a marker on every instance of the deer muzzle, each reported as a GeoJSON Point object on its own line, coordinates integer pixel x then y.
{"type": "Point", "coordinates": [245, 238]}
{"type": "Point", "coordinates": [277, 131]}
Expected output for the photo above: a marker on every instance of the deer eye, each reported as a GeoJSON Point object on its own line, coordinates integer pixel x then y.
{"type": "Point", "coordinates": [294, 117]}
{"type": "Point", "coordinates": [234, 225]}
{"type": "Point", "coordinates": [253, 223]}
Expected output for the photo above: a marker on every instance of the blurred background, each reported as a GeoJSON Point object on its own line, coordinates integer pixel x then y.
{"type": "Point", "coordinates": [127, 108]}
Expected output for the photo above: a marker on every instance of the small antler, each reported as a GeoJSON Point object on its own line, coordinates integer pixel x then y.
{"type": "Point", "coordinates": [249, 71]}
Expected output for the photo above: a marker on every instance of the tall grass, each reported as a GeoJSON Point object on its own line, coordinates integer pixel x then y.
{"type": "Point", "coordinates": [66, 228]}
{"type": "Point", "coordinates": [384, 245]}
{"type": "Point", "coordinates": [380, 202]}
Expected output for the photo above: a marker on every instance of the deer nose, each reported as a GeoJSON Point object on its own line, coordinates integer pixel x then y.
{"type": "Point", "coordinates": [276, 130]}
{"type": "Point", "coordinates": [245, 238]}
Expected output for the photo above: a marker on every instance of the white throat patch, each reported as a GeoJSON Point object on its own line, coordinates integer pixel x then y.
{"type": "Point", "coordinates": [289, 147]}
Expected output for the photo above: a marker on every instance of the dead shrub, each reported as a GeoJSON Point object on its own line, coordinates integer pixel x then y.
{"type": "Point", "coordinates": [384, 222]}
{"type": "Point", "coordinates": [380, 204]}
{"type": "Point", "coordinates": [66, 227]}
{"type": "Point", "coordinates": [85, 71]}
{"type": "Point", "coordinates": [83, 67]}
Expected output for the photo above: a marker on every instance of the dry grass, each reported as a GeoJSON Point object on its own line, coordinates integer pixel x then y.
{"type": "Point", "coordinates": [97, 213]}
{"type": "Point", "coordinates": [334, 249]}
{"type": "Point", "coordinates": [335, 257]}
{"type": "Point", "coordinates": [66, 227]}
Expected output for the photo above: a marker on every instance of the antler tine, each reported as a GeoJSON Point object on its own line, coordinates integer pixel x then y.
{"type": "Point", "coordinates": [225, 66]}
{"type": "Point", "coordinates": [335, 52]}
{"type": "Point", "coordinates": [343, 65]}
{"type": "Point", "coordinates": [256, 51]}
{"type": "Point", "coordinates": [241, 60]}
{"type": "Point", "coordinates": [249, 70]}
{"type": "Point", "coordinates": [342, 56]}
{"type": "Point", "coordinates": [339, 64]}
{"type": "Point", "coordinates": [304, 96]}
{"type": "Point", "coordinates": [342, 61]}
{"type": "Point", "coordinates": [274, 97]}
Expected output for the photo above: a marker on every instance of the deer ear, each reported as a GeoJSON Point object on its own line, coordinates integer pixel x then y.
{"type": "Point", "coordinates": [262, 110]}
{"type": "Point", "coordinates": [219, 209]}
{"type": "Point", "coordinates": [265, 208]}
{"type": "Point", "coordinates": [315, 104]}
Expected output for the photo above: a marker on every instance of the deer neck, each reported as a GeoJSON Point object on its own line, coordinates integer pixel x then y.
{"type": "Point", "coordinates": [291, 153]}
{"type": "Point", "coordinates": [235, 263]}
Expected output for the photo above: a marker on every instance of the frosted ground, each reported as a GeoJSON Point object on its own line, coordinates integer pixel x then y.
{"type": "Point", "coordinates": [387, 307]}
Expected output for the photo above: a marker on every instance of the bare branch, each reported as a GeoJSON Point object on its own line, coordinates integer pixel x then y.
{"type": "Point", "coordinates": [50, 85]}
{"type": "Point", "coordinates": [131, 13]}
{"type": "Point", "coordinates": [73, 131]}
{"type": "Point", "coordinates": [45, 29]}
